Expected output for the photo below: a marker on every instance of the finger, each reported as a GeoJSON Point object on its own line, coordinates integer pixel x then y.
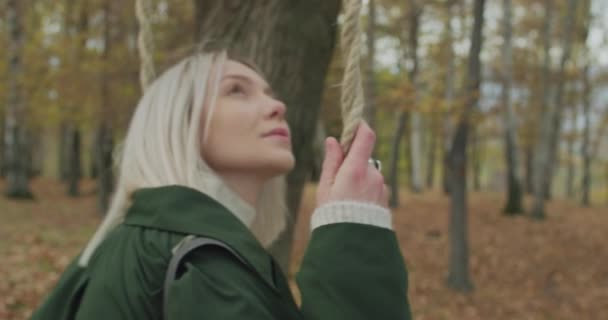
{"type": "Point", "coordinates": [363, 145]}
{"type": "Point", "coordinates": [331, 163]}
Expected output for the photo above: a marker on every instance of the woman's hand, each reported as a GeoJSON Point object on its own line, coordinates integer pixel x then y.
{"type": "Point", "coordinates": [352, 177]}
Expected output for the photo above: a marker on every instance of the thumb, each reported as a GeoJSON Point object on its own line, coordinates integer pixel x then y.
{"type": "Point", "coordinates": [332, 162]}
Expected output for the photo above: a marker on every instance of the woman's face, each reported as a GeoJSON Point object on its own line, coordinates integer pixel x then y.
{"type": "Point", "coordinates": [248, 133]}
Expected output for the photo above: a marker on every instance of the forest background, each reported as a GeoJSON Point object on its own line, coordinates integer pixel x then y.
{"type": "Point", "coordinates": [491, 117]}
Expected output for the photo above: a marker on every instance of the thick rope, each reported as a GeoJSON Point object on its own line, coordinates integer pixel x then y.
{"type": "Point", "coordinates": [352, 100]}
{"type": "Point", "coordinates": [145, 42]}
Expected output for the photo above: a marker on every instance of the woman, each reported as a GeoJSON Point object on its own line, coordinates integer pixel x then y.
{"type": "Point", "coordinates": [205, 156]}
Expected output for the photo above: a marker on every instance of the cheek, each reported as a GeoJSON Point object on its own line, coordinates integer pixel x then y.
{"type": "Point", "coordinates": [232, 137]}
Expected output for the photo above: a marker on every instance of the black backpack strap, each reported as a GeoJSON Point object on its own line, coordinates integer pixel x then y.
{"type": "Point", "coordinates": [187, 245]}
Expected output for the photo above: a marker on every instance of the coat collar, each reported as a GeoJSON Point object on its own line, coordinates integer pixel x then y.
{"type": "Point", "coordinates": [188, 211]}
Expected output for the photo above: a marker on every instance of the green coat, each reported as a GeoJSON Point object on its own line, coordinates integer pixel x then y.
{"type": "Point", "coordinates": [349, 271]}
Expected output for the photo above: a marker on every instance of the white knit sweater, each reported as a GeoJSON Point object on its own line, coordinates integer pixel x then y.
{"type": "Point", "coordinates": [332, 212]}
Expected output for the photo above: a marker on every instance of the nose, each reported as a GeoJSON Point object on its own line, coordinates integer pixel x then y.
{"type": "Point", "coordinates": [277, 109]}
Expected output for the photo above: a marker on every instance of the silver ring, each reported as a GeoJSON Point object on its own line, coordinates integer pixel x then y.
{"type": "Point", "coordinates": [376, 163]}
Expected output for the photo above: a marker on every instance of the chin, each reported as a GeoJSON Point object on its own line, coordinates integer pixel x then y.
{"type": "Point", "coordinates": [281, 165]}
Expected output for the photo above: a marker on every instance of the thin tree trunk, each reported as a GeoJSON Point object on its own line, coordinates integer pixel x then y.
{"type": "Point", "coordinates": [586, 145]}
{"type": "Point", "coordinates": [292, 43]}
{"type": "Point", "coordinates": [514, 194]}
{"type": "Point", "coordinates": [70, 142]}
{"type": "Point", "coordinates": [458, 276]}
{"type": "Point", "coordinates": [415, 145]}
{"type": "Point", "coordinates": [542, 152]}
{"type": "Point", "coordinates": [570, 170]}
{"type": "Point", "coordinates": [476, 155]}
{"type": "Point", "coordinates": [105, 177]}
{"type": "Point", "coordinates": [73, 162]}
{"type": "Point", "coordinates": [557, 114]}
{"type": "Point", "coordinates": [393, 176]}
{"type": "Point", "coordinates": [529, 168]}
{"type": "Point", "coordinates": [15, 136]}
{"type": "Point", "coordinates": [449, 94]}
{"type": "Point", "coordinates": [432, 153]}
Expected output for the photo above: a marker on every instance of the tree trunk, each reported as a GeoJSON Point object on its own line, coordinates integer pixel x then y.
{"type": "Point", "coordinates": [570, 174]}
{"type": "Point", "coordinates": [542, 152]}
{"type": "Point", "coordinates": [415, 145]}
{"type": "Point", "coordinates": [103, 141]}
{"type": "Point", "coordinates": [292, 43]}
{"type": "Point", "coordinates": [458, 276]}
{"type": "Point", "coordinates": [449, 94]}
{"type": "Point", "coordinates": [393, 176]}
{"type": "Point", "coordinates": [432, 153]}
{"type": "Point", "coordinates": [370, 81]}
{"type": "Point", "coordinates": [514, 195]}
{"type": "Point", "coordinates": [15, 135]}
{"type": "Point", "coordinates": [586, 147]}
{"type": "Point", "coordinates": [73, 161]}
{"type": "Point", "coordinates": [476, 155]}
{"type": "Point", "coordinates": [529, 168]}
{"type": "Point", "coordinates": [555, 114]}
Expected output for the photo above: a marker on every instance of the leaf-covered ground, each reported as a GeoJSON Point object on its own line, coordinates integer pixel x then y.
{"type": "Point", "coordinates": [521, 269]}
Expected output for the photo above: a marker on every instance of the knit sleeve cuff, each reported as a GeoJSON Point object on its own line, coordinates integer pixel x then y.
{"type": "Point", "coordinates": [351, 212]}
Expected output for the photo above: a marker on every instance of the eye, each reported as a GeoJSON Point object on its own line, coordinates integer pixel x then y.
{"type": "Point", "coordinates": [236, 89]}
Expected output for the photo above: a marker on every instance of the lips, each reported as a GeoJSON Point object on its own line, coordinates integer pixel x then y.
{"type": "Point", "coordinates": [283, 132]}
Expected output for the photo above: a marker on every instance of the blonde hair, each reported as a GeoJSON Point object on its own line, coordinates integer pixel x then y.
{"type": "Point", "coordinates": [163, 147]}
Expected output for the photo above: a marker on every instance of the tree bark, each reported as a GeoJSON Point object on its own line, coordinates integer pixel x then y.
{"type": "Point", "coordinates": [514, 194]}
{"type": "Point", "coordinates": [557, 115]}
{"type": "Point", "coordinates": [15, 135]}
{"type": "Point", "coordinates": [292, 43]}
{"type": "Point", "coordinates": [476, 155]}
{"type": "Point", "coordinates": [73, 147]}
{"type": "Point", "coordinates": [541, 154]}
{"type": "Point", "coordinates": [570, 170]}
{"type": "Point", "coordinates": [393, 176]}
{"type": "Point", "coordinates": [70, 148]}
{"type": "Point", "coordinates": [458, 276]}
{"type": "Point", "coordinates": [587, 93]}
{"type": "Point", "coordinates": [432, 153]}
{"type": "Point", "coordinates": [529, 150]}
{"type": "Point", "coordinates": [554, 118]}
{"type": "Point", "coordinates": [104, 143]}
{"type": "Point", "coordinates": [586, 146]}
{"type": "Point", "coordinates": [415, 145]}
{"type": "Point", "coordinates": [449, 94]}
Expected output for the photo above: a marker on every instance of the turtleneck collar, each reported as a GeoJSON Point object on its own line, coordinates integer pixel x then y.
{"type": "Point", "coordinates": [222, 193]}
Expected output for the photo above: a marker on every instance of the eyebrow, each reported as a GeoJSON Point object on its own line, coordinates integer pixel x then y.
{"type": "Point", "coordinates": [267, 89]}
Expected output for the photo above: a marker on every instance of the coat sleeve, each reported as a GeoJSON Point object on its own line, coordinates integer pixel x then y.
{"type": "Point", "coordinates": [215, 285]}
{"type": "Point", "coordinates": [353, 271]}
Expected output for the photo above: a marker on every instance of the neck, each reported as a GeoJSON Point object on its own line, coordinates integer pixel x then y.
{"type": "Point", "coordinates": [247, 187]}
{"type": "Point", "coordinates": [237, 193]}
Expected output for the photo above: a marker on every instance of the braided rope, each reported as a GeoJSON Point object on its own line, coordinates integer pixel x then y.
{"type": "Point", "coordinates": [352, 99]}
{"type": "Point", "coordinates": [145, 42]}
